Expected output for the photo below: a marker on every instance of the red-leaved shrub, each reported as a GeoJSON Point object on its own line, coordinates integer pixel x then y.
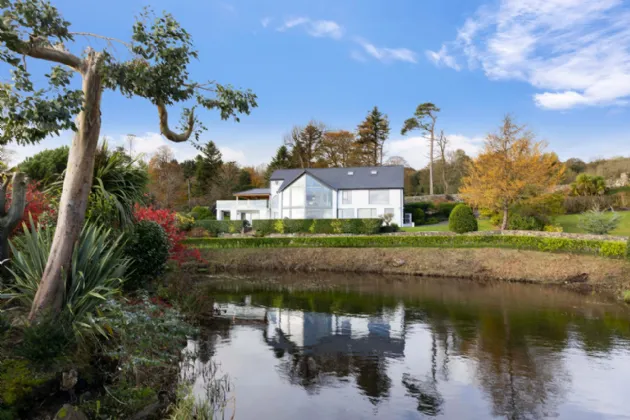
{"type": "Point", "coordinates": [37, 204]}
{"type": "Point", "coordinates": [168, 220]}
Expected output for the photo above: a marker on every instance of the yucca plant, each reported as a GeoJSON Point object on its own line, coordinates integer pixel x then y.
{"type": "Point", "coordinates": [96, 274]}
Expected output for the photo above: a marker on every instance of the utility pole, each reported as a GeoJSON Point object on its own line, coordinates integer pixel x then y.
{"type": "Point", "coordinates": [130, 139]}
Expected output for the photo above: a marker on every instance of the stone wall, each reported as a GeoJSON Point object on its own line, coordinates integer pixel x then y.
{"type": "Point", "coordinates": [435, 197]}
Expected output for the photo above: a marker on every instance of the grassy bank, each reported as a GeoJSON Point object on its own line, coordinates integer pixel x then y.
{"type": "Point", "coordinates": [569, 223]}
{"type": "Point", "coordinates": [605, 248]}
{"type": "Point", "coordinates": [580, 272]}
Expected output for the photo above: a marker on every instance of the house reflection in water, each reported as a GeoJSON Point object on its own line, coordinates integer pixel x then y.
{"type": "Point", "coordinates": [317, 349]}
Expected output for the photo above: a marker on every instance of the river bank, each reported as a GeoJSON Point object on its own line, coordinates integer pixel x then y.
{"type": "Point", "coordinates": [576, 272]}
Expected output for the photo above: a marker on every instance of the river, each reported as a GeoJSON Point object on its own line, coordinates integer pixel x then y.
{"type": "Point", "coordinates": [355, 347]}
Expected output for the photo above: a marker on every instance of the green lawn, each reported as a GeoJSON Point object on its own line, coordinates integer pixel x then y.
{"type": "Point", "coordinates": [568, 222]}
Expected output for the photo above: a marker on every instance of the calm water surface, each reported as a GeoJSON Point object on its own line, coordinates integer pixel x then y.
{"type": "Point", "coordinates": [346, 347]}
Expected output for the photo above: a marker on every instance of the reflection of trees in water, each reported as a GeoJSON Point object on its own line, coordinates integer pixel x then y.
{"type": "Point", "coordinates": [523, 381]}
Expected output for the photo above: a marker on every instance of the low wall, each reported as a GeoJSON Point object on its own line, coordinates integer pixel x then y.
{"type": "Point", "coordinates": [427, 198]}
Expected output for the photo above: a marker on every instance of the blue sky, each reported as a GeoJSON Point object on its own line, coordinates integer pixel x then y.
{"type": "Point", "coordinates": [561, 66]}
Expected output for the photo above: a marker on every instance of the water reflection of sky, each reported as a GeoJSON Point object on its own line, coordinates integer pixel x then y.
{"type": "Point", "coordinates": [403, 363]}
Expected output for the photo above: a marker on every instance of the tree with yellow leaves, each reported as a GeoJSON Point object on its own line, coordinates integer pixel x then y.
{"type": "Point", "coordinates": [512, 167]}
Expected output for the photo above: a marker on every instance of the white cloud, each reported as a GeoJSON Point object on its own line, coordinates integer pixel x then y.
{"type": "Point", "coordinates": [316, 28]}
{"type": "Point", "coordinates": [442, 58]}
{"type": "Point", "coordinates": [322, 28]}
{"type": "Point", "coordinates": [228, 154]}
{"type": "Point", "coordinates": [577, 52]}
{"type": "Point", "coordinates": [387, 54]}
{"type": "Point", "coordinates": [416, 149]}
{"type": "Point", "coordinates": [265, 21]}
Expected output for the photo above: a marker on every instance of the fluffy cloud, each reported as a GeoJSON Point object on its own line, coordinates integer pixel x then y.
{"type": "Point", "coordinates": [387, 54]}
{"type": "Point", "coordinates": [316, 28]}
{"type": "Point", "coordinates": [265, 21]}
{"type": "Point", "coordinates": [577, 52]}
{"type": "Point", "coordinates": [415, 150]}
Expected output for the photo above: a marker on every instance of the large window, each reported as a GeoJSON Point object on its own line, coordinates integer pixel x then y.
{"type": "Point", "coordinates": [346, 197]}
{"type": "Point", "coordinates": [379, 196]}
{"type": "Point", "coordinates": [367, 213]}
{"type": "Point", "coordinates": [345, 213]}
{"type": "Point", "coordinates": [307, 198]}
{"type": "Point", "coordinates": [389, 211]}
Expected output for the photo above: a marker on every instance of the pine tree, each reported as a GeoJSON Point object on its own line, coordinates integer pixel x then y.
{"type": "Point", "coordinates": [372, 134]}
{"type": "Point", "coordinates": [208, 165]}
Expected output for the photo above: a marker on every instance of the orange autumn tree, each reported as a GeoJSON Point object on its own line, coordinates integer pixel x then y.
{"type": "Point", "coordinates": [512, 167]}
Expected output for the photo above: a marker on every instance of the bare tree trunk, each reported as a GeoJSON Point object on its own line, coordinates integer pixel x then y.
{"type": "Point", "coordinates": [74, 196]}
{"type": "Point", "coordinates": [504, 225]}
{"type": "Point", "coordinates": [10, 219]}
{"type": "Point", "coordinates": [431, 164]}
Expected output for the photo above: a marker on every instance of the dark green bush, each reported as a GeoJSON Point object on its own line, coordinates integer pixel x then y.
{"type": "Point", "coordinates": [612, 249]}
{"type": "Point", "coordinates": [5, 325]}
{"type": "Point", "coordinates": [462, 220]}
{"type": "Point", "coordinates": [148, 248]}
{"type": "Point", "coordinates": [201, 213]}
{"type": "Point", "coordinates": [520, 222]}
{"type": "Point", "coordinates": [432, 221]}
{"type": "Point", "coordinates": [216, 227]}
{"type": "Point", "coordinates": [425, 206]}
{"type": "Point", "coordinates": [263, 227]}
{"type": "Point", "coordinates": [418, 216]}
{"type": "Point", "coordinates": [444, 210]}
{"type": "Point", "coordinates": [326, 226]}
{"type": "Point", "coordinates": [45, 340]}
{"type": "Point", "coordinates": [390, 229]}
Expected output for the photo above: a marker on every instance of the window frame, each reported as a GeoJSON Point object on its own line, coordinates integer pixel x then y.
{"type": "Point", "coordinates": [344, 199]}
{"type": "Point", "coordinates": [346, 210]}
{"type": "Point", "coordinates": [373, 214]}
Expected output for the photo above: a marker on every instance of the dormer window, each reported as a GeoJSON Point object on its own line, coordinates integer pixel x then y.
{"type": "Point", "coordinates": [374, 172]}
{"type": "Point", "coordinates": [350, 173]}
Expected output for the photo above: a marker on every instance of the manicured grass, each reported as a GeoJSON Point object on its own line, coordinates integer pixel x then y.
{"type": "Point", "coordinates": [484, 224]}
{"type": "Point", "coordinates": [568, 222]}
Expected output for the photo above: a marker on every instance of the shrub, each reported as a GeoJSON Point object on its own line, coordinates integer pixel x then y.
{"type": "Point", "coordinates": [202, 213]}
{"type": "Point", "coordinates": [418, 216]}
{"type": "Point", "coordinates": [215, 227]}
{"type": "Point", "coordinates": [425, 206]}
{"type": "Point", "coordinates": [325, 226]}
{"type": "Point", "coordinates": [390, 228]}
{"type": "Point", "coordinates": [95, 275]}
{"type": "Point", "coordinates": [147, 248]}
{"type": "Point", "coordinates": [588, 185]}
{"type": "Point", "coordinates": [580, 204]}
{"type": "Point", "coordinates": [45, 340]}
{"type": "Point", "coordinates": [432, 221]}
{"type": "Point", "coordinates": [462, 220]}
{"type": "Point", "coordinates": [444, 210]}
{"type": "Point", "coordinates": [519, 222]}
{"type": "Point", "coordinates": [5, 325]}
{"type": "Point", "coordinates": [626, 296]}
{"type": "Point", "coordinates": [184, 223]}
{"type": "Point", "coordinates": [606, 248]}
{"type": "Point", "coordinates": [599, 222]}
{"type": "Point", "coordinates": [553, 228]}
{"type": "Point", "coordinates": [167, 219]}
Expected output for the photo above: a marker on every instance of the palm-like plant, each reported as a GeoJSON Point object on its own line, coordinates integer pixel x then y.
{"type": "Point", "coordinates": [96, 274]}
{"type": "Point", "coordinates": [119, 183]}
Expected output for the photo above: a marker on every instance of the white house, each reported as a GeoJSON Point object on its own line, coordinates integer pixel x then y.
{"type": "Point", "coordinates": [322, 193]}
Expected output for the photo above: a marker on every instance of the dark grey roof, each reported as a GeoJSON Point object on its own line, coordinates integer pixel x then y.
{"type": "Point", "coordinates": [255, 191]}
{"type": "Point", "coordinates": [338, 178]}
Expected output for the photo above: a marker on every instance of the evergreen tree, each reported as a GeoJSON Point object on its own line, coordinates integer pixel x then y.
{"type": "Point", "coordinates": [372, 134]}
{"type": "Point", "coordinates": [208, 165]}
{"type": "Point", "coordinates": [282, 160]}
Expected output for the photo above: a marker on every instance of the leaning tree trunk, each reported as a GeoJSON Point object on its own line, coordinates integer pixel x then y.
{"type": "Point", "coordinates": [9, 219]}
{"type": "Point", "coordinates": [74, 196]}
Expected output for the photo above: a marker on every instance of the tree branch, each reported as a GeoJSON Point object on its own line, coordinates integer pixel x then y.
{"type": "Point", "coordinates": [107, 38]}
{"type": "Point", "coordinates": [166, 131]}
{"type": "Point", "coordinates": [48, 54]}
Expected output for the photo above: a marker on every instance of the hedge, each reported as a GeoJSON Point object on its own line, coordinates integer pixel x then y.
{"type": "Point", "coordinates": [328, 226]}
{"type": "Point", "coordinates": [220, 226]}
{"type": "Point", "coordinates": [612, 249]}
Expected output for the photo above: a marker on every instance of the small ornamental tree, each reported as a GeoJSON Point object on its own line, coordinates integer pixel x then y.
{"type": "Point", "coordinates": [462, 220]}
{"type": "Point", "coordinates": [161, 51]}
